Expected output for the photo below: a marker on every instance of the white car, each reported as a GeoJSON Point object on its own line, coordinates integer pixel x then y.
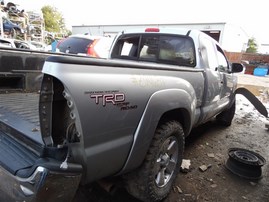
{"type": "Point", "coordinates": [84, 44]}
{"type": "Point", "coordinates": [39, 46]}
{"type": "Point", "coordinates": [7, 43]}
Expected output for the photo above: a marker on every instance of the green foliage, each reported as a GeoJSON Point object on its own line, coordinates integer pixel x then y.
{"type": "Point", "coordinates": [54, 21]}
{"type": "Point", "coordinates": [68, 33]}
{"type": "Point", "coordinates": [252, 46]}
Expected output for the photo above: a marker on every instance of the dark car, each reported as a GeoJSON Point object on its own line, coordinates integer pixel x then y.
{"type": "Point", "coordinates": [84, 44]}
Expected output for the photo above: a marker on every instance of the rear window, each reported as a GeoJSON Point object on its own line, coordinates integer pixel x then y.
{"type": "Point", "coordinates": [167, 49]}
{"type": "Point", "coordinates": [74, 45]}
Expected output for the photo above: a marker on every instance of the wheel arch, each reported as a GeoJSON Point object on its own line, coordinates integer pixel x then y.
{"type": "Point", "coordinates": [172, 104]}
{"type": "Point", "coordinates": [181, 115]}
{"type": "Point", "coordinates": [59, 122]}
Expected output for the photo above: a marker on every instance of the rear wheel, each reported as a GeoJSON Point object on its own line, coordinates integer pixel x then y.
{"type": "Point", "coordinates": [225, 118]}
{"type": "Point", "coordinates": [154, 179]}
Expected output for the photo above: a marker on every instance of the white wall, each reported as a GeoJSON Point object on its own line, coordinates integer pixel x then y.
{"type": "Point", "coordinates": [263, 48]}
{"type": "Point", "coordinates": [104, 29]}
{"type": "Point", "coordinates": [234, 39]}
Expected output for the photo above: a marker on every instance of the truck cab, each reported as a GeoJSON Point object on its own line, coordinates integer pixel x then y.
{"type": "Point", "coordinates": [186, 48]}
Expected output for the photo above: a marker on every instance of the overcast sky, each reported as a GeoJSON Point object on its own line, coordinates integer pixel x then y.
{"type": "Point", "coordinates": [251, 16]}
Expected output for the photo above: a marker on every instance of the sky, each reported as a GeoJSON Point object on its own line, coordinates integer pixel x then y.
{"type": "Point", "coordinates": [251, 16]}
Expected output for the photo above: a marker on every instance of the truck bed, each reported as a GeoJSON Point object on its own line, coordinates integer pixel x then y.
{"type": "Point", "coordinates": [20, 137]}
{"type": "Point", "coordinates": [19, 115]}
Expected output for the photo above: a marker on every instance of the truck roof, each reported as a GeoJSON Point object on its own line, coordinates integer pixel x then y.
{"type": "Point", "coordinates": [181, 31]}
{"type": "Point", "coordinates": [165, 30]}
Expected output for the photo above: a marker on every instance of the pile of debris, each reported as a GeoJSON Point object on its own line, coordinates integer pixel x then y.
{"type": "Point", "coordinates": [19, 24]}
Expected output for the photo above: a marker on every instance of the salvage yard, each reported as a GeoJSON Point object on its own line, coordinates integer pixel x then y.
{"type": "Point", "coordinates": [208, 146]}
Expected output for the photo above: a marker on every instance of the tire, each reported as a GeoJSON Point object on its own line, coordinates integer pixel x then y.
{"type": "Point", "coordinates": [154, 179]}
{"type": "Point", "coordinates": [225, 118]}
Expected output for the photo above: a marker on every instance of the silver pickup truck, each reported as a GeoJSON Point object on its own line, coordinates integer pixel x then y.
{"type": "Point", "coordinates": [124, 116]}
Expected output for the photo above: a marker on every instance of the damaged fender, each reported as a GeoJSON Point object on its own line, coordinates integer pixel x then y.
{"type": "Point", "coordinates": [253, 99]}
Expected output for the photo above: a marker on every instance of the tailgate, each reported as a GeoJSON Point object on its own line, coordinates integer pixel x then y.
{"type": "Point", "coordinates": [15, 157]}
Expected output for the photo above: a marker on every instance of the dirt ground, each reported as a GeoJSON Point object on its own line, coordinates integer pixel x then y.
{"type": "Point", "coordinates": [208, 145]}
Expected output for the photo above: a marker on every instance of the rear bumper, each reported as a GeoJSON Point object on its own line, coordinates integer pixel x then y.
{"type": "Point", "coordinates": [42, 185]}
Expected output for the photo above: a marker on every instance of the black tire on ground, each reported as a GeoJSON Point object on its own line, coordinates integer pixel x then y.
{"type": "Point", "coordinates": [225, 118]}
{"type": "Point", "coordinates": [153, 180]}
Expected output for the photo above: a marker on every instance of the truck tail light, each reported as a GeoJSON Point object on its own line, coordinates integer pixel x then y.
{"type": "Point", "coordinates": [152, 30]}
{"type": "Point", "coordinates": [91, 52]}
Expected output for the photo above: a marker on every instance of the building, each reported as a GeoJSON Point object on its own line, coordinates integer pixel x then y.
{"type": "Point", "coordinates": [232, 38]}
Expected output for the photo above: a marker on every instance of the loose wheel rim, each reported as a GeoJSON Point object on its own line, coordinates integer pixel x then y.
{"type": "Point", "coordinates": [167, 161]}
{"type": "Point", "coordinates": [246, 156]}
{"type": "Point", "coordinates": [245, 163]}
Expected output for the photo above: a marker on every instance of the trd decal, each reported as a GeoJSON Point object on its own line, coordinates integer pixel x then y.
{"type": "Point", "coordinates": [111, 97]}
{"type": "Point", "coordinates": [107, 97]}
{"type": "Point", "coordinates": [104, 99]}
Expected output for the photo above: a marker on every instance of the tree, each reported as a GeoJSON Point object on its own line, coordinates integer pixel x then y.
{"type": "Point", "coordinates": [252, 46]}
{"type": "Point", "coordinates": [54, 21]}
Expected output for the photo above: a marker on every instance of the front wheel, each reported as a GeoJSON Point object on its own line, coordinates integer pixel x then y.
{"type": "Point", "coordinates": [154, 179]}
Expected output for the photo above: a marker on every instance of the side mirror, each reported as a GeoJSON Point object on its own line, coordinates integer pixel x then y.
{"type": "Point", "coordinates": [237, 67]}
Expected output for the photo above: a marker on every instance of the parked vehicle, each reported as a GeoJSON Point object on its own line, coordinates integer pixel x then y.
{"type": "Point", "coordinates": [16, 43]}
{"type": "Point", "coordinates": [7, 43]}
{"type": "Point", "coordinates": [126, 116]}
{"type": "Point", "coordinates": [40, 46]}
{"type": "Point", "coordinates": [24, 44]}
{"type": "Point", "coordinates": [11, 28]}
{"type": "Point", "coordinates": [84, 44]}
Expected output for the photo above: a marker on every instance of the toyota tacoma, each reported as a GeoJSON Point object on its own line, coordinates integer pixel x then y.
{"type": "Point", "coordinates": [125, 116]}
